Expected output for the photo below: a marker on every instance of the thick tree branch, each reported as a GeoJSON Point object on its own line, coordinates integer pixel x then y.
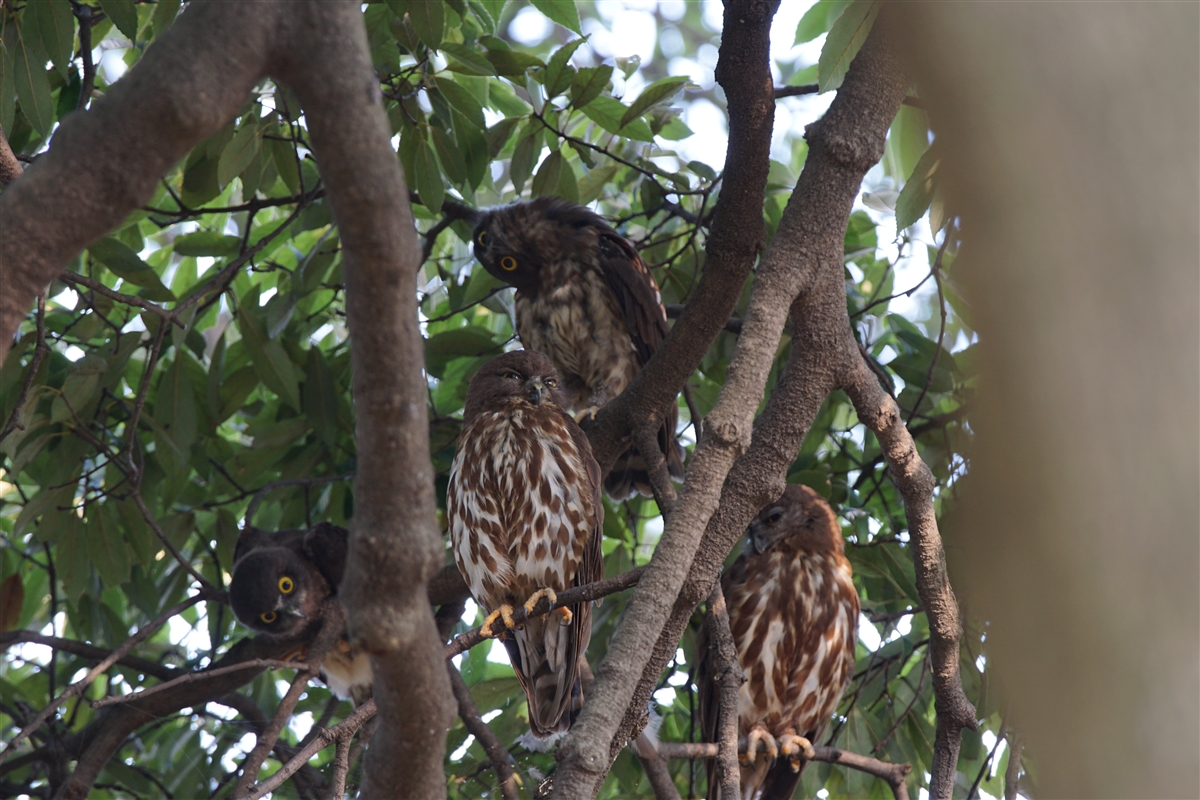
{"type": "Point", "coordinates": [804, 261]}
{"type": "Point", "coordinates": [10, 168]}
{"type": "Point", "coordinates": [735, 237]}
{"type": "Point", "coordinates": [395, 547]}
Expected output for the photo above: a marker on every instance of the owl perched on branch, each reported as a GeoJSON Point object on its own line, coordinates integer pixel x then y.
{"type": "Point", "coordinates": [525, 522]}
{"type": "Point", "coordinates": [280, 581]}
{"type": "Point", "coordinates": [793, 613]}
{"type": "Point", "coordinates": [587, 300]}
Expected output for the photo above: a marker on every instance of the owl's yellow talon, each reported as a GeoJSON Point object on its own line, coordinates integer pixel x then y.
{"type": "Point", "coordinates": [794, 747]}
{"type": "Point", "coordinates": [532, 602]}
{"type": "Point", "coordinates": [505, 615]}
{"type": "Point", "coordinates": [759, 734]}
{"type": "Point", "coordinates": [587, 413]}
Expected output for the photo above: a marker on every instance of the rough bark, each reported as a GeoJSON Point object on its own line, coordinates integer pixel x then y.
{"type": "Point", "coordinates": [804, 262]}
{"type": "Point", "coordinates": [105, 162]}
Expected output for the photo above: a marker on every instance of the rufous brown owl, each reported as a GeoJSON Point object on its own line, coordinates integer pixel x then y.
{"type": "Point", "coordinates": [526, 521]}
{"type": "Point", "coordinates": [587, 300]}
{"type": "Point", "coordinates": [280, 582]}
{"type": "Point", "coordinates": [793, 613]}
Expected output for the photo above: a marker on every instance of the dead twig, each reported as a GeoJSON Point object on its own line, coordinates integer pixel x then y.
{"type": "Point", "coordinates": [496, 753]}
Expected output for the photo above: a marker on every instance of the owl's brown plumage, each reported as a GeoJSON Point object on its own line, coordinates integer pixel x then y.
{"type": "Point", "coordinates": [281, 580]}
{"type": "Point", "coordinates": [525, 514]}
{"type": "Point", "coordinates": [793, 613]}
{"type": "Point", "coordinates": [587, 300]}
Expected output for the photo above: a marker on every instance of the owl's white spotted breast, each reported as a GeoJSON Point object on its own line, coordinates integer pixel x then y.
{"type": "Point", "coordinates": [519, 514]}
{"type": "Point", "coordinates": [578, 325]}
{"type": "Point", "coordinates": [796, 670]}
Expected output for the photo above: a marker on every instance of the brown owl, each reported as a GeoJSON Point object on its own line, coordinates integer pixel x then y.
{"type": "Point", "coordinates": [280, 581]}
{"type": "Point", "coordinates": [587, 300]}
{"type": "Point", "coordinates": [525, 521]}
{"type": "Point", "coordinates": [793, 612]}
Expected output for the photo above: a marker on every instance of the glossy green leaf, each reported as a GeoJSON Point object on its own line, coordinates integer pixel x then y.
{"type": "Point", "coordinates": [818, 19]}
{"type": "Point", "coordinates": [463, 101]}
{"type": "Point", "coordinates": [123, 13]}
{"type": "Point", "coordinates": [56, 24]}
{"type": "Point", "coordinates": [467, 60]}
{"type": "Point", "coordinates": [33, 87]}
{"type": "Point", "coordinates": [320, 397]}
{"type": "Point", "coordinates": [591, 185]}
{"type": "Point", "coordinates": [270, 359]}
{"type": "Point", "coordinates": [559, 73]}
{"type": "Point", "coordinates": [106, 546]}
{"type": "Point", "coordinates": [428, 178]}
{"type": "Point", "coordinates": [238, 154]}
{"type": "Point", "coordinates": [124, 263]}
{"type": "Point", "coordinates": [428, 18]}
{"type": "Point", "coordinates": [512, 63]}
{"type": "Point", "coordinates": [563, 12]}
{"type": "Point", "coordinates": [164, 15]}
{"type": "Point", "coordinates": [588, 83]}
{"type": "Point", "coordinates": [546, 180]}
{"type": "Point", "coordinates": [845, 39]}
{"type": "Point", "coordinates": [207, 243]}
{"type": "Point", "coordinates": [607, 112]}
{"type": "Point", "coordinates": [918, 190]}
{"type": "Point", "coordinates": [658, 92]}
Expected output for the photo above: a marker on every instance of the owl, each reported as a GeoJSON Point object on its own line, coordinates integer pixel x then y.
{"type": "Point", "coordinates": [587, 300]}
{"type": "Point", "coordinates": [525, 520]}
{"type": "Point", "coordinates": [793, 613]}
{"type": "Point", "coordinates": [280, 581]}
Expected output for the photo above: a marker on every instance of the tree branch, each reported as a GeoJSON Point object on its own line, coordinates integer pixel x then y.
{"type": "Point", "coordinates": [35, 363]}
{"type": "Point", "coordinates": [727, 676]}
{"type": "Point", "coordinates": [500, 758]}
{"type": "Point", "coordinates": [10, 168]}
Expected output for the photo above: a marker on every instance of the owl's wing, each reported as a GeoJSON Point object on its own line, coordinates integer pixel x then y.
{"type": "Point", "coordinates": [326, 546]}
{"type": "Point", "coordinates": [592, 568]}
{"type": "Point", "coordinates": [630, 281]}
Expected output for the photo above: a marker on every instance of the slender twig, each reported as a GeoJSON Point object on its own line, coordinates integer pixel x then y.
{"type": "Point", "coordinates": [87, 651]}
{"type": "Point", "coordinates": [496, 753]}
{"type": "Point", "coordinates": [128, 299]}
{"type": "Point", "coordinates": [728, 677]}
{"type": "Point", "coordinates": [257, 204]}
{"type": "Point", "coordinates": [333, 624]}
{"type": "Point", "coordinates": [87, 18]}
{"type": "Point", "coordinates": [78, 687]}
{"type": "Point", "coordinates": [936, 271]}
{"type": "Point", "coordinates": [207, 588]}
{"type": "Point", "coordinates": [646, 440]}
{"type": "Point", "coordinates": [191, 677]}
{"type": "Point", "coordinates": [38, 354]}
{"type": "Point", "coordinates": [973, 792]}
{"type": "Point", "coordinates": [345, 728]}
{"type": "Point", "coordinates": [579, 594]}
{"type": "Point", "coordinates": [894, 774]}
{"type": "Point", "coordinates": [1012, 773]}
{"type": "Point", "coordinates": [341, 766]}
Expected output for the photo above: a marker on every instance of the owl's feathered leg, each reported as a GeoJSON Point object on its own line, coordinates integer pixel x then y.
{"type": "Point", "coordinates": [505, 615]}
{"type": "Point", "coordinates": [547, 592]}
{"type": "Point", "coordinates": [794, 746]}
{"type": "Point", "coordinates": [759, 734]}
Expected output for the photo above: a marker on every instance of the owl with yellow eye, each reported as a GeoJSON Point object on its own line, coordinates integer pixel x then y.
{"type": "Point", "coordinates": [280, 582]}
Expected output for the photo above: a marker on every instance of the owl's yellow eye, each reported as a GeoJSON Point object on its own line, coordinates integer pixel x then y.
{"type": "Point", "coordinates": [550, 382]}
{"type": "Point", "coordinates": [482, 237]}
{"type": "Point", "coordinates": [512, 376]}
{"type": "Point", "coordinates": [268, 617]}
{"type": "Point", "coordinates": [508, 263]}
{"type": "Point", "coordinates": [286, 585]}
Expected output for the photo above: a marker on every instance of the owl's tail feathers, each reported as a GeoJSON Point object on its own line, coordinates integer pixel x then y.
{"type": "Point", "coordinates": [629, 474]}
{"type": "Point", "coordinates": [545, 666]}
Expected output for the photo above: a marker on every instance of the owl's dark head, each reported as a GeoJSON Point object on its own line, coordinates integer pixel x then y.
{"type": "Point", "coordinates": [800, 518]}
{"type": "Point", "coordinates": [520, 379]}
{"type": "Point", "coordinates": [276, 591]}
{"type": "Point", "coordinates": [516, 242]}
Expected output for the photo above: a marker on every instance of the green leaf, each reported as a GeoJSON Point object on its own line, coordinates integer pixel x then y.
{"type": "Point", "coordinates": [238, 154]}
{"type": "Point", "coordinates": [563, 12]}
{"type": "Point", "coordinates": [106, 546]}
{"type": "Point", "coordinates": [521, 165]}
{"type": "Point", "coordinates": [8, 85]}
{"type": "Point", "coordinates": [658, 92]}
{"type": "Point", "coordinates": [207, 243]}
{"type": "Point", "coordinates": [80, 387]}
{"type": "Point", "coordinates": [607, 112]}
{"type": "Point", "coordinates": [591, 185]}
{"type": "Point", "coordinates": [320, 397]}
{"type": "Point", "coordinates": [463, 101]}
{"type": "Point", "coordinates": [845, 38]}
{"type": "Point", "coordinates": [469, 341]}
{"type": "Point", "coordinates": [559, 73]}
{"type": "Point", "coordinates": [33, 87]}
{"type": "Point", "coordinates": [568, 187]}
{"type": "Point", "coordinates": [269, 357]}
{"type": "Point", "coordinates": [467, 60]}
{"type": "Point", "coordinates": [124, 263]}
{"type": "Point", "coordinates": [123, 13]}
{"type": "Point", "coordinates": [428, 179]}
{"type": "Point", "coordinates": [164, 15]}
{"type": "Point", "coordinates": [175, 407]}
{"type": "Point", "coordinates": [285, 163]}
{"type": "Point", "coordinates": [234, 391]}
{"type": "Point", "coordinates": [73, 561]}
{"type": "Point", "coordinates": [918, 190]}
{"type": "Point", "coordinates": [512, 63]}
{"type": "Point", "coordinates": [546, 180]}
{"type": "Point", "coordinates": [428, 18]}
{"type": "Point", "coordinates": [818, 19]}
{"type": "Point", "coordinates": [588, 83]}
{"type": "Point", "coordinates": [56, 22]}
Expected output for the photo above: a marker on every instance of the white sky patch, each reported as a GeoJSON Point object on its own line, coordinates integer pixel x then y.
{"type": "Point", "coordinates": [496, 653]}
{"type": "Point", "coordinates": [712, 137]}
{"type": "Point", "coordinates": [73, 353]}
{"type": "Point", "coordinates": [462, 751]}
{"type": "Point", "coordinates": [491, 715]}
{"type": "Point", "coordinates": [867, 633]}
{"type": "Point", "coordinates": [110, 63]}
{"type": "Point", "coordinates": [665, 697]}
{"type": "Point", "coordinates": [529, 26]}
{"type": "Point", "coordinates": [301, 724]}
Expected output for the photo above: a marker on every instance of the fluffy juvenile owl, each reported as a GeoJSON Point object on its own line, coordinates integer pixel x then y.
{"type": "Point", "coordinates": [587, 300]}
{"type": "Point", "coordinates": [525, 522]}
{"type": "Point", "coordinates": [793, 613]}
{"type": "Point", "coordinates": [280, 581]}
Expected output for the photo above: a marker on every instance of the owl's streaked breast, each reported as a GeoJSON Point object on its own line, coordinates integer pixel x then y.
{"type": "Point", "coordinates": [518, 516]}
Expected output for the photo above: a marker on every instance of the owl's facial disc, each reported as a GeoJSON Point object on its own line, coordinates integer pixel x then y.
{"type": "Point", "coordinates": [766, 528]}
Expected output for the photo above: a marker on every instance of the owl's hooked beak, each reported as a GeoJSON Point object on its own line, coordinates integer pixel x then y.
{"type": "Point", "coordinates": [291, 609]}
{"type": "Point", "coordinates": [757, 536]}
{"type": "Point", "coordinates": [535, 390]}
